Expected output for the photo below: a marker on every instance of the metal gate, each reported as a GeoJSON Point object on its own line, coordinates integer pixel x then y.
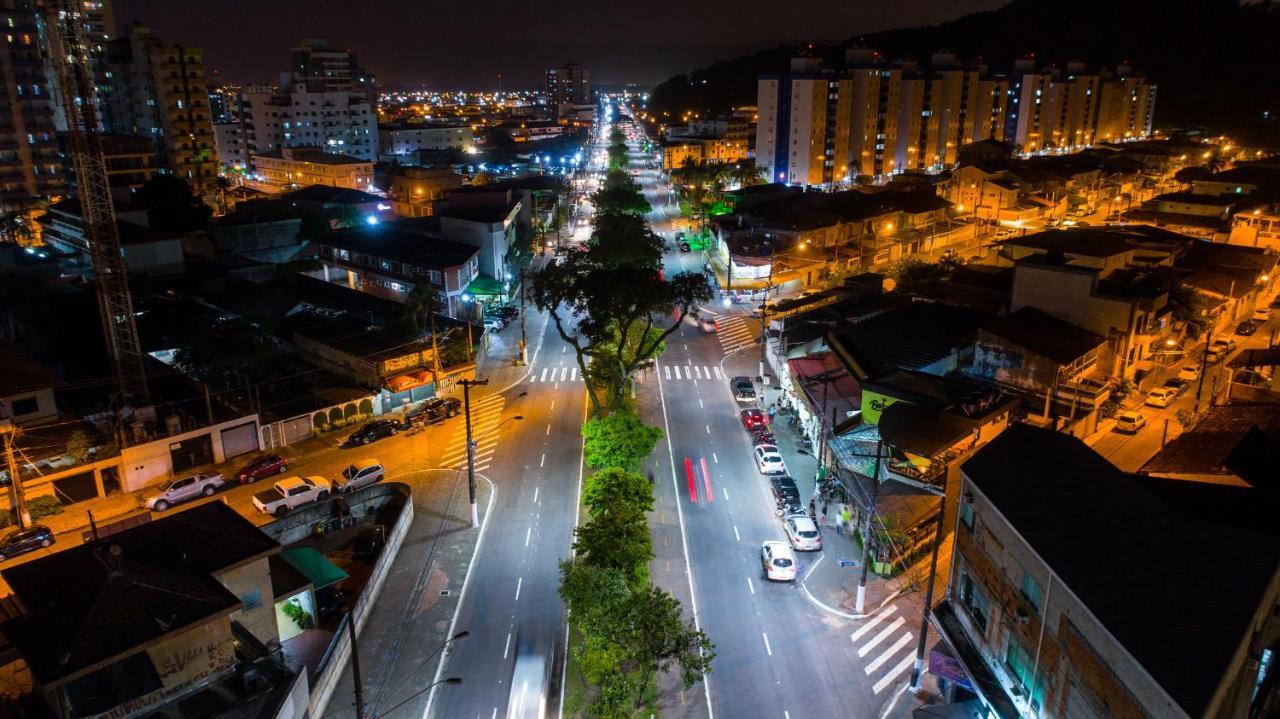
{"type": "Point", "coordinates": [239, 440]}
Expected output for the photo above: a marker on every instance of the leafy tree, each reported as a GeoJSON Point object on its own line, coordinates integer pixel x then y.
{"type": "Point", "coordinates": [620, 195]}
{"type": "Point", "coordinates": [78, 446]}
{"type": "Point", "coordinates": [615, 486]}
{"type": "Point", "coordinates": [223, 185]}
{"type": "Point", "coordinates": [657, 638]}
{"type": "Point", "coordinates": [746, 173]}
{"type": "Point", "coordinates": [626, 240]}
{"type": "Point", "coordinates": [314, 225]}
{"type": "Point", "coordinates": [619, 441]}
{"type": "Point", "coordinates": [616, 537]}
{"type": "Point", "coordinates": [1189, 309]}
{"type": "Point", "coordinates": [912, 274]}
{"type": "Point", "coordinates": [172, 206]}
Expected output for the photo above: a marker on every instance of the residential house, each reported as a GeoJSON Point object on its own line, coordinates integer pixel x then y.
{"type": "Point", "coordinates": [292, 167]}
{"type": "Point", "coordinates": [415, 190]}
{"type": "Point", "coordinates": [1069, 574]}
{"type": "Point", "coordinates": [26, 389]}
{"type": "Point", "coordinates": [143, 620]}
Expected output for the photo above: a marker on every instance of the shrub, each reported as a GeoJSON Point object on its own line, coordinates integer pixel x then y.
{"type": "Point", "coordinates": [44, 506]}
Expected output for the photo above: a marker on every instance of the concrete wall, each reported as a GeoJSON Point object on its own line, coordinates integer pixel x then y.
{"type": "Point", "coordinates": [244, 582]}
{"type": "Point", "coordinates": [150, 462]}
{"type": "Point", "coordinates": [46, 407]}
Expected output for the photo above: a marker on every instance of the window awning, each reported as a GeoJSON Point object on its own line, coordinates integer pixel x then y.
{"type": "Point", "coordinates": [314, 566]}
{"type": "Point", "coordinates": [485, 286]}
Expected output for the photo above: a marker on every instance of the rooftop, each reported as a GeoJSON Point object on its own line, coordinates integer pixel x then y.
{"type": "Point", "coordinates": [1219, 444]}
{"type": "Point", "coordinates": [1150, 550]}
{"type": "Point", "coordinates": [313, 155]}
{"type": "Point", "coordinates": [90, 603]}
{"type": "Point", "coordinates": [1045, 334]}
{"type": "Point", "coordinates": [909, 337]}
{"type": "Point", "coordinates": [391, 242]}
{"type": "Point", "coordinates": [329, 195]}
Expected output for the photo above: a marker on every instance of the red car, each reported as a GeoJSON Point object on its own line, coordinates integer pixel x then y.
{"type": "Point", "coordinates": [752, 418]}
{"type": "Point", "coordinates": [264, 466]}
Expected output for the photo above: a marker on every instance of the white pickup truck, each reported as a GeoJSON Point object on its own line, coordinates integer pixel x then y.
{"type": "Point", "coordinates": [290, 493]}
{"type": "Point", "coordinates": [176, 491]}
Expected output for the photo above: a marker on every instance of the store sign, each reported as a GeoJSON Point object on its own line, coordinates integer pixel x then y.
{"type": "Point", "coordinates": [949, 668]}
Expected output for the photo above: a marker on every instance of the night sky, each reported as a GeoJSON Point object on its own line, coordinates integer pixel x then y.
{"type": "Point", "coordinates": [451, 45]}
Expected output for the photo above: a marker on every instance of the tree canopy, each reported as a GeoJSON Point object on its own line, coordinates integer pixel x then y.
{"type": "Point", "coordinates": [619, 440]}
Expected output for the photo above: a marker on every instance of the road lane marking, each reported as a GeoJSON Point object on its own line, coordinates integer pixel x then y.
{"type": "Point", "coordinates": [737, 537]}
{"type": "Point", "coordinates": [767, 648]}
{"type": "Point", "coordinates": [706, 480]}
{"type": "Point", "coordinates": [507, 648]}
{"type": "Point", "coordinates": [666, 371]}
{"type": "Point", "coordinates": [573, 374]}
{"type": "Point", "coordinates": [883, 635]}
{"type": "Point", "coordinates": [535, 494]}
{"type": "Point", "coordinates": [527, 533]}
{"type": "Point", "coordinates": [887, 679]}
{"type": "Point", "coordinates": [544, 374]}
{"type": "Point", "coordinates": [726, 493]}
{"type": "Point", "coordinates": [714, 458]}
{"type": "Point", "coordinates": [708, 429]}
{"type": "Point", "coordinates": [548, 429]}
{"type": "Point", "coordinates": [751, 587]}
{"type": "Point", "coordinates": [542, 462]}
{"type": "Point", "coordinates": [700, 404]}
{"type": "Point", "coordinates": [707, 370]}
{"type": "Point", "coordinates": [897, 646]}
{"type": "Point", "coordinates": [719, 375]}
{"type": "Point", "coordinates": [519, 582]}
{"type": "Point", "coordinates": [874, 621]}
{"type": "Point", "coordinates": [553, 405]}
{"type": "Point", "coordinates": [697, 371]}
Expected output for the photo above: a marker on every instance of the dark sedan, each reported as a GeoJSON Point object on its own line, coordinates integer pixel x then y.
{"type": "Point", "coordinates": [259, 467]}
{"type": "Point", "coordinates": [435, 409]}
{"type": "Point", "coordinates": [374, 431]}
{"type": "Point", "coordinates": [1246, 328]}
{"type": "Point", "coordinates": [786, 495]}
{"type": "Point", "coordinates": [21, 541]}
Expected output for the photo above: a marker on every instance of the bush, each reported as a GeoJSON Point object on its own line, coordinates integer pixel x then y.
{"type": "Point", "coordinates": [44, 506]}
{"type": "Point", "coordinates": [620, 440]}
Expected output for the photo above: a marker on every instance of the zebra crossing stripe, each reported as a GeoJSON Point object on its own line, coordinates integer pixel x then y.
{"type": "Point", "coordinates": [719, 374]}
{"type": "Point", "coordinates": [544, 373]}
{"type": "Point", "coordinates": [897, 646]}
{"type": "Point", "coordinates": [573, 374]}
{"type": "Point", "coordinates": [697, 371]}
{"type": "Point", "coordinates": [887, 679]}
{"type": "Point", "coordinates": [874, 621]}
{"type": "Point", "coordinates": [883, 635]}
{"type": "Point", "coordinates": [666, 371]}
{"type": "Point", "coordinates": [707, 371]}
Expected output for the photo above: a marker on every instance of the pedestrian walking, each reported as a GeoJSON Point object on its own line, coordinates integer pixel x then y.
{"type": "Point", "coordinates": [651, 477]}
{"type": "Point", "coordinates": [773, 409]}
{"type": "Point", "coordinates": [823, 523]}
{"type": "Point", "coordinates": [813, 510]}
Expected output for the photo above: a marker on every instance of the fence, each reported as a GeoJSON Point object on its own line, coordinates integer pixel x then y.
{"type": "Point", "coordinates": [302, 426]}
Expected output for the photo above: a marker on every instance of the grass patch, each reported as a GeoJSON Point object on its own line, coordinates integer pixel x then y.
{"type": "Point", "coordinates": [577, 692]}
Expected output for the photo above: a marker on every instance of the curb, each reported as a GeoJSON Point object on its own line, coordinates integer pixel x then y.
{"type": "Point", "coordinates": [804, 589]}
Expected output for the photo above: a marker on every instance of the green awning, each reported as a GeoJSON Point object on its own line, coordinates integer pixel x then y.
{"type": "Point", "coordinates": [485, 286]}
{"type": "Point", "coordinates": [314, 566]}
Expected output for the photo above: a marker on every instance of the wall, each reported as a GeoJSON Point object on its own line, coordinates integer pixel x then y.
{"type": "Point", "coordinates": [46, 406]}
{"type": "Point", "coordinates": [150, 462]}
{"type": "Point", "coordinates": [1067, 295]}
{"type": "Point", "coordinates": [243, 582]}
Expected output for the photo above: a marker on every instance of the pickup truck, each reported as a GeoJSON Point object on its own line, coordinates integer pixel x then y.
{"type": "Point", "coordinates": [290, 493]}
{"type": "Point", "coordinates": [177, 491]}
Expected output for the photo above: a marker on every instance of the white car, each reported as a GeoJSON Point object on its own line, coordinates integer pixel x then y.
{"type": "Point", "coordinates": [1161, 397]}
{"type": "Point", "coordinates": [1189, 373]}
{"type": "Point", "coordinates": [778, 561]}
{"type": "Point", "coordinates": [177, 491]}
{"type": "Point", "coordinates": [1262, 314]}
{"type": "Point", "coordinates": [359, 474]}
{"type": "Point", "coordinates": [803, 533]}
{"type": "Point", "coordinates": [768, 461]}
{"type": "Point", "coordinates": [290, 493]}
{"type": "Point", "coordinates": [1130, 422]}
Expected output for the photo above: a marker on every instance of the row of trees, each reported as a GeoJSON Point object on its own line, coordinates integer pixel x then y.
{"type": "Point", "coordinates": [630, 630]}
{"type": "Point", "coordinates": [617, 149]}
{"type": "Point", "coordinates": [612, 303]}
{"type": "Point", "coordinates": [702, 184]}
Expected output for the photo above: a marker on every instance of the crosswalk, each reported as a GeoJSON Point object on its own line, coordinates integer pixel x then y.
{"type": "Point", "coordinates": [486, 412]}
{"type": "Point", "coordinates": [885, 636]}
{"type": "Point", "coordinates": [670, 373]}
{"type": "Point", "coordinates": [736, 332]}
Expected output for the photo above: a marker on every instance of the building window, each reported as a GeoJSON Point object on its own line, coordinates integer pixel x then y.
{"type": "Point", "coordinates": [26, 405]}
{"type": "Point", "coordinates": [974, 602]}
{"type": "Point", "coordinates": [1031, 590]}
{"type": "Point", "coordinates": [967, 515]}
{"type": "Point", "coordinates": [1020, 665]}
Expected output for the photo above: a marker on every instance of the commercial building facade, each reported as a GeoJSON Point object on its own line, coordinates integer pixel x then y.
{"type": "Point", "coordinates": [288, 167]}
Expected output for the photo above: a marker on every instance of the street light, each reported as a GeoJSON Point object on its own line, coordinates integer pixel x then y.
{"type": "Point", "coordinates": [449, 680]}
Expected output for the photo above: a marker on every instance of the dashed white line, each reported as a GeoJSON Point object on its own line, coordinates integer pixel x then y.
{"type": "Point", "coordinates": [737, 537]}
{"type": "Point", "coordinates": [767, 648]}
{"type": "Point", "coordinates": [751, 587]}
{"type": "Point", "coordinates": [543, 461]}
{"type": "Point", "coordinates": [700, 404]}
{"type": "Point", "coordinates": [726, 493]}
{"type": "Point", "coordinates": [708, 429]}
{"type": "Point", "coordinates": [519, 582]}
{"type": "Point", "coordinates": [507, 648]}
{"type": "Point", "coordinates": [527, 533]}
{"type": "Point", "coordinates": [548, 429]}
{"type": "Point", "coordinates": [535, 494]}
{"type": "Point", "coordinates": [714, 458]}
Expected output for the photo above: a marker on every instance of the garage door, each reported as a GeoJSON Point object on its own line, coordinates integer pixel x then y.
{"type": "Point", "coordinates": [239, 440]}
{"type": "Point", "coordinates": [296, 429]}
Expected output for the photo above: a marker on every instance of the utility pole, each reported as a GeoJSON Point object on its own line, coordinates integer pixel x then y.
{"type": "Point", "coordinates": [928, 590]}
{"type": "Point", "coordinates": [866, 532]}
{"type": "Point", "coordinates": [467, 384]}
{"type": "Point", "coordinates": [524, 342]}
{"type": "Point", "coordinates": [17, 498]}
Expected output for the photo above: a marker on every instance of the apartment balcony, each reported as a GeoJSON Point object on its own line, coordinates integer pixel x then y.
{"type": "Point", "coordinates": [1086, 392]}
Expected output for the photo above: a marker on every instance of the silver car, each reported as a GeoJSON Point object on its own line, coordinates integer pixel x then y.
{"type": "Point", "coordinates": [803, 533]}
{"type": "Point", "coordinates": [177, 491]}
{"type": "Point", "coordinates": [359, 474]}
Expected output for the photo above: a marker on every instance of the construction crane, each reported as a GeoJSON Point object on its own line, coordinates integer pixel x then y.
{"type": "Point", "coordinates": [71, 58]}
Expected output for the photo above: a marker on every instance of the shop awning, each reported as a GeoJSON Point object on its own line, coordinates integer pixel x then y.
{"type": "Point", "coordinates": [314, 566]}
{"type": "Point", "coordinates": [405, 382]}
{"type": "Point", "coordinates": [485, 286]}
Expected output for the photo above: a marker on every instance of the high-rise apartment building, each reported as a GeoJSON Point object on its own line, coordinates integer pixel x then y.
{"type": "Point", "coordinates": [30, 164]}
{"type": "Point", "coordinates": [158, 91]}
{"type": "Point", "coordinates": [569, 85]}
{"type": "Point", "coordinates": [316, 67]}
{"type": "Point", "coordinates": [338, 121]}
{"type": "Point", "coordinates": [874, 117]}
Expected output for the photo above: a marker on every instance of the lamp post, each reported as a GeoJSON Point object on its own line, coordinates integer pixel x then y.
{"type": "Point", "coordinates": [467, 384]}
{"type": "Point", "coordinates": [460, 635]}
{"type": "Point", "coordinates": [524, 343]}
{"type": "Point", "coordinates": [432, 685]}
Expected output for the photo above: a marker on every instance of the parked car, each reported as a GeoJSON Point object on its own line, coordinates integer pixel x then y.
{"type": "Point", "coordinates": [494, 324]}
{"type": "Point", "coordinates": [744, 390]}
{"type": "Point", "coordinates": [768, 461]}
{"type": "Point", "coordinates": [434, 410]}
{"type": "Point", "coordinates": [684, 246]}
{"type": "Point", "coordinates": [358, 474]}
{"type": "Point", "coordinates": [21, 541]}
{"type": "Point", "coordinates": [753, 418]}
{"type": "Point", "coordinates": [177, 491]}
{"type": "Point", "coordinates": [1246, 328]}
{"type": "Point", "coordinates": [1161, 397]}
{"type": "Point", "coordinates": [803, 532]}
{"type": "Point", "coordinates": [1223, 346]}
{"type": "Point", "coordinates": [786, 496]}
{"type": "Point", "coordinates": [506, 312]}
{"type": "Point", "coordinates": [263, 466]}
{"type": "Point", "coordinates": [374, 431]}
{"type": "Point", "coordinates": [291, 493]}
{"type": "Point", "coordinates": [1189, 372]}
{"type": "Point", "coordinates": [778, 562]}
{"type": "Point", "coordinates": [1176, 384]}
{"type": "Point", "coordinates": [1129, 422]}
{"type": "Point", "coordinates": [1262, 314]}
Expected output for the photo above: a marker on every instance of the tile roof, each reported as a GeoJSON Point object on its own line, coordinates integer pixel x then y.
{"type": "Point", "coordinates": [1045, 334]}
{"type": "Point", "coordinates": [908, 337]}
{"type": "Point", "coordinates": [1135, 562]}
{"type": "Point", "coordinates": [1208, 448]}
{"type": "Point", "coordinates": [90, 603]}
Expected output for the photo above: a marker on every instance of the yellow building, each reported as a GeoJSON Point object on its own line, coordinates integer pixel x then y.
{"type": "Point", "coordinates": [288, 167]}
{"type": "Point", "coordinates": [677, 151]}
{"type": "Point", "coordinates": [415, 190]}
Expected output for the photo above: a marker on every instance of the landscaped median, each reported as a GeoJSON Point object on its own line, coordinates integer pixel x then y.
{"type": "Point", "coordinates": [625, 631]}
